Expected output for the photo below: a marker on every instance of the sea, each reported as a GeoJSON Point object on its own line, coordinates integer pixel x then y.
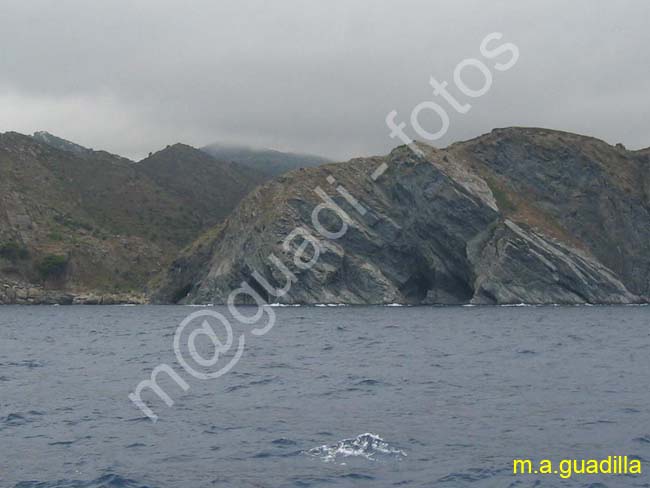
{"type": "Point", "coordinates": [327, 397]}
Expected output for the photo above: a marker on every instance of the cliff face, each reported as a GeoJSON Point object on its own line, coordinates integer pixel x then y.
{"type": "Point", "coordinates": [598, 195]}
{"type": "Point", "coordinates": [517, 215]}
{"type": "Point", "coordinates": [78, 224]}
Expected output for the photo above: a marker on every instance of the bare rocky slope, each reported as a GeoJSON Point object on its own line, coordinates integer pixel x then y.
{"type": "Point", "coordinates": [85, 226]}
{"type": "Point", "coordinates": [519, 215]}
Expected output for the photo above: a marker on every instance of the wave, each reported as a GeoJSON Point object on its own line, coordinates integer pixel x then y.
{"type": "Point", "coordinates": [15, 419]}
{"type": "Point", "coordinates": [369, 446]}
{"type": "Point", "coordinates": [105, 481]}
{"type": "Point", "coordinates": [26, 363]}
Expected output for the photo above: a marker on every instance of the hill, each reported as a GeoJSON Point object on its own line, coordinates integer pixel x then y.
{"type": "Point", "coordinates": [267, 161]}
{"type": "Point", "coordinates": [519, 215]}
{"type": "Point", "coordinates": [206, 189]}
{"type": "Point", "coordinates": [81, 223]}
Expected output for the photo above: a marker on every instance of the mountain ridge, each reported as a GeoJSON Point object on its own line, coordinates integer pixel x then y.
{"type": "Point", "coordinates": [108, 223]}
{"type": "Point", "coordinates": [268, 161]}
{"type": "Point", "coordinates": [517, 215]}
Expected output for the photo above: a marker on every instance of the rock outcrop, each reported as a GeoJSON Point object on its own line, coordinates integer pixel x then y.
{"type": "Point", "coordinates": [21, 293]}
{"type": "Point", "coordinates": [515, 216]}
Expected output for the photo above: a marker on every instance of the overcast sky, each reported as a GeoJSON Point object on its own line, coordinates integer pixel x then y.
{"type": "Point", "coordinates": [314, 76]}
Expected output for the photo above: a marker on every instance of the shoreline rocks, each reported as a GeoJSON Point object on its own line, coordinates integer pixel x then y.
{"type": "Point", "coordinates": [30, 294]}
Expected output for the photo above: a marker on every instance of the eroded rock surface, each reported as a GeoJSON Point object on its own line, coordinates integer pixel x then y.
{"type": "Point", "coordinates": [517, 215]}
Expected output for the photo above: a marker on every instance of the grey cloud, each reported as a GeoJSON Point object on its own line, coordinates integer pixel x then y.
{"type": "Point", "coordinates": [315, 76]}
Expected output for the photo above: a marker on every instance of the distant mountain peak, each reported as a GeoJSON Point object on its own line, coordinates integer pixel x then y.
{"type": "Point", "coordinates": [60, 143]}
{"type": "Point", "coordinates": [268, 161]}
{"type": "Point", "coordinates": [175, 152]}
{"type": "Point", "coordinates": [180, 146]}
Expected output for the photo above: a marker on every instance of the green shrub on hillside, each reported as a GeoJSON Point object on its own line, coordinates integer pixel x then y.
{"type": "Point", "coordinates": [13, 251]}
{"type": "Point", "coordinates": [52, 266]}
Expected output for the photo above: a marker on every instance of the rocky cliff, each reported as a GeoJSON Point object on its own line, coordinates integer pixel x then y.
{"type": "Point", "coordinates": [518, 215]}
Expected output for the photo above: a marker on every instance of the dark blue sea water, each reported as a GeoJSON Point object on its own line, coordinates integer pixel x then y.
{"type": "Point", "coordinates": [332, 397]}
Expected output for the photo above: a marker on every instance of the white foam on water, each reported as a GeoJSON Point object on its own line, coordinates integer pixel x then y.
{"type": "Point", "coordinates": [369, 446]}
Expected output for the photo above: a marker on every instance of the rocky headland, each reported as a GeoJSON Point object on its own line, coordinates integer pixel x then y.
{"type": "Point", "coordinates": [519, 215]}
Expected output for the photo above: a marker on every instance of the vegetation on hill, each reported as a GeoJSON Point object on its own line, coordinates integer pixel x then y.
{"type": "Point", "coordinates": [117, 222]}
{"type": "Point", "coordinates": [518, 214]}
